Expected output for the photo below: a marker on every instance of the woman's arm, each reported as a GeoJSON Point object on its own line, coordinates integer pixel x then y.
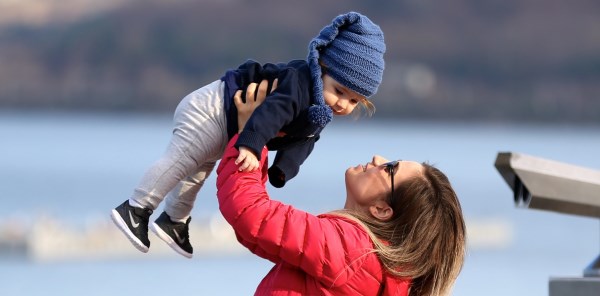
{"type": "Point", "coordinates": [327, 248]}
{"type": "Point", "coordinates": [255, 96]}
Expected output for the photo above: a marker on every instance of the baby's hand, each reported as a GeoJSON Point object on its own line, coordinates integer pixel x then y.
{"type": "Point", "coordinates": [248, 160]}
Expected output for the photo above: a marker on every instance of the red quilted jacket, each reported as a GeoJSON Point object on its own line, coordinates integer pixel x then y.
{"type": "Point", "coordinates": [313, 255]}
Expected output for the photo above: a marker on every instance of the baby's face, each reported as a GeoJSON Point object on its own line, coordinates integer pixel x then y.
{"type": "Point", "coordinates": [339, 98]}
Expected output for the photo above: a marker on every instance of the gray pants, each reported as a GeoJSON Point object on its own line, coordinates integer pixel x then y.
{"type": "Point", "coordinates": [198, 142]}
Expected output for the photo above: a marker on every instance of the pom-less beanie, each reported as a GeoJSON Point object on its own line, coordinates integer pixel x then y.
{"type": "Point", "coordinates": [352, 48]}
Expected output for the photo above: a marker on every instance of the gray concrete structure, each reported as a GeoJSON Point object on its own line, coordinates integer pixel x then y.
{"type": "Point", "coordinates": [549, 185]}
{"type": "Point", "coordinates": [584, 286]}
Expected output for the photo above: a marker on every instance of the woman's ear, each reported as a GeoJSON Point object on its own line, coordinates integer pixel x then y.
{"type": "Point", "coordinates": [381, 210]}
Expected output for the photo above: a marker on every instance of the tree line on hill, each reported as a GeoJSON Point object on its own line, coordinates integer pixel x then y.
{"type": "Point", "coordinates": [501, 60]}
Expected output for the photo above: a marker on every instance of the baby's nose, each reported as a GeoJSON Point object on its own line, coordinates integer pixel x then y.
{"type": "Point", "coordinates": [342, 103]}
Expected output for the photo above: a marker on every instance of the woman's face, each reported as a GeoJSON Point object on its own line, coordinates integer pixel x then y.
{"type": "Point", "coordinates": [339, 98]}
{"type": "Point", "coordinates": [370, 182]}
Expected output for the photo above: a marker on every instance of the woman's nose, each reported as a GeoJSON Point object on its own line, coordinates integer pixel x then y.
{"type": "Point", "coordinates": [377, 160]}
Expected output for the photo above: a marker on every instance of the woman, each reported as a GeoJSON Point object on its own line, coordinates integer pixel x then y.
{"type": "Point", "coordinates": [401, 231]}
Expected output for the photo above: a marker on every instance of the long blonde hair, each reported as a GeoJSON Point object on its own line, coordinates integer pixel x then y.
{"type": "Point", "coordinates": [425, 240]}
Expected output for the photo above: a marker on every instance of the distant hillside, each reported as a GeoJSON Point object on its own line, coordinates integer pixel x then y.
{"type": "Point", "coordinates": [465, 59]}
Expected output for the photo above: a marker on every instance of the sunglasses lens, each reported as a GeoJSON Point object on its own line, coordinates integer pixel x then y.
{"type": "Point", "coordinates": [389, 166]}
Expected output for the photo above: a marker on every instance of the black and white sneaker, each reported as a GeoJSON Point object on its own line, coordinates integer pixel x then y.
{"type": "Point", "coordinates": [133, 222]}
{"type": "Point", "coordinates": [175, 234]}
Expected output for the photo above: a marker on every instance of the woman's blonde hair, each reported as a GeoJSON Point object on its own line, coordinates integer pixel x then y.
{"type": "Point", "coordinates": [425, 240]}
{"type": "Point", "coordinates": [367, 107]}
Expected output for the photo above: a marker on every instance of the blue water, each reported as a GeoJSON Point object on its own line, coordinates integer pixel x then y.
{"type": "Point", "coordinates": [76, 167]}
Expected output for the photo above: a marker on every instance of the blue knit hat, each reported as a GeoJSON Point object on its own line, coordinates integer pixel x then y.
{"type": "Point", "coordinates": [352, 48]}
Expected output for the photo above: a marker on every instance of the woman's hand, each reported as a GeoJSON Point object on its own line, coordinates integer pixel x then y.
{"type": "Point", "coordinates": [255, 95]}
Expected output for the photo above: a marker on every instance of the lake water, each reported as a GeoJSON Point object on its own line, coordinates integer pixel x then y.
{"type": "Point", "coordinates": [76, 167]}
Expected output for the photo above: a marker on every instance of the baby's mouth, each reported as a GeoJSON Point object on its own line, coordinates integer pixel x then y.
{"type": "Point", "coordinates": [330, 106]}
{"type": "Point", "coordinates": [335, 111]}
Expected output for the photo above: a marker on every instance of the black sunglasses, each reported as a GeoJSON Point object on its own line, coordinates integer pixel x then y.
{"type": "Point", "coordinates": [390, 167]}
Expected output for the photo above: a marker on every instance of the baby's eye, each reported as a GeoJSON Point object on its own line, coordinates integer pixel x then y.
{"type": "Point", "coordinates": [353, 101]}
{"type": "Point", "coordinates": [338, 91]}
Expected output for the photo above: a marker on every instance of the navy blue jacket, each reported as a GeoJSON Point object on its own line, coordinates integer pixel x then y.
{"type": "Point", "coordinates": [285, 109]}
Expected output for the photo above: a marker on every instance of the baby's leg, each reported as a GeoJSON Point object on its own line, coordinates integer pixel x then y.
{"type": "Point", "coordinates": [180, 201]}
{"type": "Point", "coordinates": [132, 216]}
{"type": "Point", "coordinates": [165, 173]}
{"type": "Point", "coordinates": [199, 135]}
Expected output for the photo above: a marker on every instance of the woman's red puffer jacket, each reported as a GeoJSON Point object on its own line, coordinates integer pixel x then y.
{"type": "Point", "coordinates": [313, 255]}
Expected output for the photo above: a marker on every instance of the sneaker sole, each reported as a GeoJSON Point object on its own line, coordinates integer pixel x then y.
{"type": "Point", "coordinates": [125, 229]}
{"type": "Point", "coordinates": [167, 239]}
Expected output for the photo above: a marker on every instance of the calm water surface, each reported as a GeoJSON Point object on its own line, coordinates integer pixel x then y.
{"type": "Point", "coordinates": [76, 167]}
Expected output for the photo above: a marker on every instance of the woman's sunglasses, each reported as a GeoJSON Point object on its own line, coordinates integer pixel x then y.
{"type": "Point", "coordinates": [390, 167]}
